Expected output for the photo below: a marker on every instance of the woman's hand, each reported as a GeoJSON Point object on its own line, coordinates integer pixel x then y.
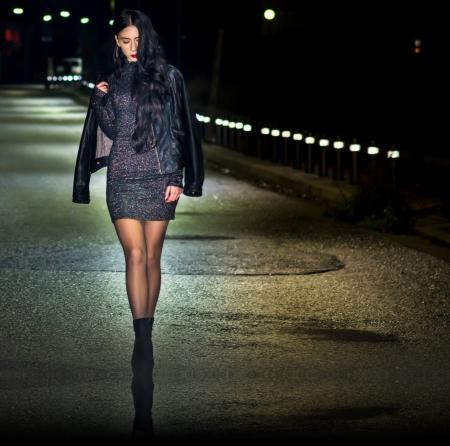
{"type": "Point", "coordinates": [172, 193]}
{"type": "Point", "coordinates": [103, 86]}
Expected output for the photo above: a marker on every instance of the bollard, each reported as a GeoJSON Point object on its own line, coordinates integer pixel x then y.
{"type": "Point", "coordinates": [218, 122]}
{"type": "Point", "coordinates": [373, 151]}
{"type": "Point", "coordinates": [338, 145]}
{"type": "Point", "coordinates": [354, 149]}
{"type": "Point", "coordinates": [238, 131]}
{"type": "Point", "coordinates": [286, 134]}
{"type": "Point", "coordinates": [232, 134]}
{"type": "Point", "coordinates": [265, 131]}
{"type": "Point", "coordinates": [309, 141]}
{"type": "Point", "coordinates": [247, 128]}
{"type": "Point", "coordinates": [323, 144]}
{"type": "Point", "coordinates": [275, 134]}
{"type": "Point", "coordinates": [296, 162]}
{"type": "Point", "coordinates": [393, 155]}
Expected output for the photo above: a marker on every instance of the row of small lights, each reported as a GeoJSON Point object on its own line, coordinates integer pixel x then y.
{"type": "Point", "coordinates": [225, 123]}
{"type": "Point", "coordinates": [269, 14]}
{"type": "Point", "coordinates": [48, 17]}
{"type": "Point", "coordinates": [323, 142]}
{"type": "Point", "coordinates": [66, 77]}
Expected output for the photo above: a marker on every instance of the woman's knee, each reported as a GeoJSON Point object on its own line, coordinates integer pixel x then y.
{"type": "Point", "coordinates": [153, 258]}
{"type": "Point", "coordinates": [135, 256]}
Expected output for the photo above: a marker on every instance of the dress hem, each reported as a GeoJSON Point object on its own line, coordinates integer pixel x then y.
{"type": "Point", "coordinates": [140, 218]}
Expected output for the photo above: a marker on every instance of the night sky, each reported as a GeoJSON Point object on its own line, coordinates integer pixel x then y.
{"type": "Point", "coordinates": [336, 67]}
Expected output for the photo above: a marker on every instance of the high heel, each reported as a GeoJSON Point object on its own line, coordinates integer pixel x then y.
{"type": "Point", "coordinates": [142, 382]}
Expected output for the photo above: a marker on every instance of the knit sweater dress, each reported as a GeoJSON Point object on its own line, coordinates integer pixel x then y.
{"type": "Point", "coordinates": [135, 188]}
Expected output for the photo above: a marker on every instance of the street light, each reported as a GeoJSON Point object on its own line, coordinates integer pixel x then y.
{"type": "Point", "coordinates": [269, 14]}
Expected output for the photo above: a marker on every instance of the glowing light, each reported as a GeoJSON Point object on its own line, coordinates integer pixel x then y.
{"type": "Point", "coordinates": [355, 147]}
{"type": "Point", "coordinates": [275, 132]}
{"type": "Point", "coordinates": [297, 136]}
{"type": "Point", "coordinates": [310, 140]}
{"type": "Point", "coordinates": [84, 20]}
{"type": "Point", "coordinates": [47, 18]}
{"type": "Point", "coordinates": [324, 142]}
{"type": "Point", "coordinates": [393, 154]}
{"type": "Point", "coordinates": [269, 14]}
{"type": "Point", "coordinates": [417, 46]}
{"type": "Point", "coordinates": [64, 13]}
{"type": "Point", "coordinates": [265, 131]}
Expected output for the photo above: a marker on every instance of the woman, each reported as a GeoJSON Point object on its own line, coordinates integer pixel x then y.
{"type": "Point", "coordinates": [143, 109]}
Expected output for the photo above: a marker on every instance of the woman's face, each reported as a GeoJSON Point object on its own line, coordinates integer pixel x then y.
{"type": "Point", "coordinates": [128, 40]}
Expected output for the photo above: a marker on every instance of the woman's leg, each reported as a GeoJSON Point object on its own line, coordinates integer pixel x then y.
{"type": "Point", "coordinates": [155, 232]}
{"type": "Point", "coordinates": [131, 235]}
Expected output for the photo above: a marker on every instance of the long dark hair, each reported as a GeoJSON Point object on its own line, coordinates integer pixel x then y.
{"type": "Point", "coordinates": [150, 83]}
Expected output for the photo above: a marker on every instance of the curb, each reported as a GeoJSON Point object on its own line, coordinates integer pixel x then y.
{"type": "Point", "coordinates": [334, 194]}
{"type": "Point", "coordinates": [435, 228]}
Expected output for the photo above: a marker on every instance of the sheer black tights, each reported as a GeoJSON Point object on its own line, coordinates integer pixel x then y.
{"type": "Point", "coordinates": [142, 243]}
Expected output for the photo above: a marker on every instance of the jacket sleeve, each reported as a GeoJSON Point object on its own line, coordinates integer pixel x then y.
{"type": "Point", "coordinates": [104, 112]}
{"type": "Point", "coordinates": [185, 124]}
{"type": "Point", "coordinates": [82, 174]}
{"type": "Point", "coordinates": [176, 178]}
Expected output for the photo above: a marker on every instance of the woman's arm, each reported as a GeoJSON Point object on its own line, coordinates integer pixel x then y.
{"type": "Point", "coordinates": [102, 104]}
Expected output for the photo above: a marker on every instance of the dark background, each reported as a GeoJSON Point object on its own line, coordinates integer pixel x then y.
{"type": "Point", "coordinates": [341, 68]}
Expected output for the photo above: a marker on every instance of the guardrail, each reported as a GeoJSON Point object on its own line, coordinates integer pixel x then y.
{"type": "Point", "coordinates": [351, 160]}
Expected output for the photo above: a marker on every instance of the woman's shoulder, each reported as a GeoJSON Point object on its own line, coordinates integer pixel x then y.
{"type": "Point", "coordinates": [174, 73]}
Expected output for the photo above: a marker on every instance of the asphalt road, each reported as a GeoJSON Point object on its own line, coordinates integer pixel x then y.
{"type": "Point", "coordinates": [274, 320]}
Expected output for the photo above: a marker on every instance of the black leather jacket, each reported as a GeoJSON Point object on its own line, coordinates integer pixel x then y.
{"type": "Point", "coordinates": [178, 142]}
